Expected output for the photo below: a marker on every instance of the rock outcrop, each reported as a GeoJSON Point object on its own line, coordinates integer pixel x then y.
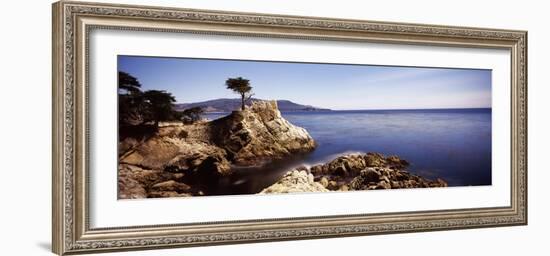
{"type": "Point", "coordinates": [370, 171]}
{"type": "Point", "coordinates": [295, 181]}
{"type": "Point", "coordinates": [202, 152]}
{"type": "Point", "coordinates": [136, 182]}
{"type": "Point", "coordinates": [260, 134]}
{"type": "Point", "coordinates": [360, 172]}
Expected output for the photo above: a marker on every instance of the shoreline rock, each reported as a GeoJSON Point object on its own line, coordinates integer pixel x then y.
{"type": "Point", "coordinates": [181, 160]}
{"type": "Point", "coordinates": [203, 152]}
{"type": "Point", "coordinates": [361, 172]}
{"type": "Point", "coordinates": [293, 182]}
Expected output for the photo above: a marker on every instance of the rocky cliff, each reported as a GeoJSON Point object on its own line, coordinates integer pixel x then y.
{"type": "Point", "coordinates": [355, 172]}
{"type": "Point", "coordinates": [259, 134]}
{"type": "Point", "coordinates": [181, 160]}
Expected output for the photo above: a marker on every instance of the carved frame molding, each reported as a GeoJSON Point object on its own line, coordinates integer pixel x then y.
{"type": "Point", "coordinates": [72, 22]}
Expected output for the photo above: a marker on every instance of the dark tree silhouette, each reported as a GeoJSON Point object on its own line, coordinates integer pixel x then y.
{"type": "Point", "coordinates": [130, 100]}
{"type": "Point", "coordinates": [159, 106]}
{"type": "Point", "coordinates": [138, 108]}
{"type": "Point", "coordinates": [128, 82]}
{"type": "Point", "coordinates": [191, 115]}
{"type": "Point", "coordinates": [241, 86]}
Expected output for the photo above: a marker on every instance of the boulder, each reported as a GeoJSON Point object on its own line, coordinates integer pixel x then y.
{"type": "Point", "coordinates": [365, 179]}
{"type": "Point", "coordinates": [130, 189]}
{"type": "Point", "coordinates": [374, 160]}
{"type": "Point", "coordinates": [171, 185]}
{"type": "Point", "coordinates": [369, 171]}
{"type": "Point", "coordinates": [295, 181]}
{"type": "Point", "coordinates": [133, 181]}
{"type": "Point", "coordinates": [170, 188]}
{"type": "Point", "coordinates": [349, 165]}
{"type": "Point", "coordinates": [395, 184]}
{"type": "Point", "coordinates": [320, 169]}
{"type": "Point", "coordinates": [137, 182]}
{"type": "Point", "coordinates": [370, 175]}
{"type": "Point", "coordinates": [343, 166]}
{"type": "Point", "coordinates": [172, 154]}
{"type": "Point", "coordinates": [333, 185]}
{"type": "Point", "coordinates": [383, 185]}
{"type": "Point", "coordinates": [396, 162]}
{"type": "Point", "coordinates": [324, 181]}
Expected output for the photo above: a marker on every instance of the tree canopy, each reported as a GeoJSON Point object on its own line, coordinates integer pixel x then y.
{"type": "Point", "coordinates": [159, 106]}
{"type": "Point", "coordinates": [137, 107]}
{"type": "Point", "coordinates": [128, 82]}
{"type": "Point", "coordinates": [130, 99]}
{"type": "Point", "coordinates": [191, 115]}
{"type": "Point", "coordinates": [242, 87]}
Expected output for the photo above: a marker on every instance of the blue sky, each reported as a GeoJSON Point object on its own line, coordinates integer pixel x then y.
{"type": "Point", "coordinates": [338, 87]}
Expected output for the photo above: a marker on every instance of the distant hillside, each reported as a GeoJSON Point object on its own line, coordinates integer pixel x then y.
{"type": "Point", "coordinates": [228, 105]}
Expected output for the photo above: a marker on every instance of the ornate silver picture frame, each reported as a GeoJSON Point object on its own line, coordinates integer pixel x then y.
{"type": "Point", "coordinates": [74, 21]}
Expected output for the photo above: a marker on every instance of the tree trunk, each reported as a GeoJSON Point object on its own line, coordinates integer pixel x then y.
{"type": "Point", "coordinates": [242, 102]}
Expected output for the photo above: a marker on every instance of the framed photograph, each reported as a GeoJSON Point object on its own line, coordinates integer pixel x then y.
{"type": "Point", "coordinates": [179, 127]}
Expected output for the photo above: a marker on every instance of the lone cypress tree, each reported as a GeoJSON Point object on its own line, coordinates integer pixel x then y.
{"type": "Point", "coordinates": [241, 86]}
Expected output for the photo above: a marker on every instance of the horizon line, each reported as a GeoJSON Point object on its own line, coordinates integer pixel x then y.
{"type": "Point", "coordinates": [356, 109]}
{"type": "Point", "coordinates": [435, 108]}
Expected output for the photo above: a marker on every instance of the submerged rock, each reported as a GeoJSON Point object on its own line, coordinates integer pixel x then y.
{"type": "Point", "coordinates": [295, 181]}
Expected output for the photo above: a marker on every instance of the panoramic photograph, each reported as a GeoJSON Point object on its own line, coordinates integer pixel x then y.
{"type": "Point", "coordinates": [212, 127]}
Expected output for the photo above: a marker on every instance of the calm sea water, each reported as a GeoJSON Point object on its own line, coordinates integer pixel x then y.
{"type": "Point", "coordinates": [452, 144]}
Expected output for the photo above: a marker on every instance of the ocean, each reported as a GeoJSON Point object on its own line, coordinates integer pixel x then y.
{"type": "Point", "coordinates": [452, 144]}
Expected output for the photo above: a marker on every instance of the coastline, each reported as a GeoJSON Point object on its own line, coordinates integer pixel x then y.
{"type": "Point", "coordinates": [181, 160]}
{"type": "Point", "coordinates": [370, 171]}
